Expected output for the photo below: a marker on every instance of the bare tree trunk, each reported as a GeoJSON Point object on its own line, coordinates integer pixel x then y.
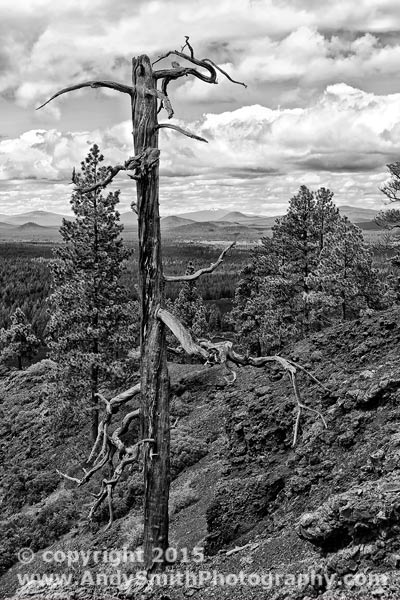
{"type": "Point", "coordinates": [94, 377]}
{"type": "Point", "coordinates": [154, 380]}
{"type": "Point", "coordinates": [154, 373]}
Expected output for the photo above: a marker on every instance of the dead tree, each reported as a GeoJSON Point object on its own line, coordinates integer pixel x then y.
{"type": "Point", "coordinates": [149, 95]}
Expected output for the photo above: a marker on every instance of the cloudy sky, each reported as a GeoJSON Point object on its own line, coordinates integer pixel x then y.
{"type": "Point", "coordinates": [322, 106]}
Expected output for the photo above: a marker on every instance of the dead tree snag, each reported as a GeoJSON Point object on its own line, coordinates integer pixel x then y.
{"type": "Point", "coordinates": [154, 382]}
{"type": "Point", "coordinates": [149, 95]}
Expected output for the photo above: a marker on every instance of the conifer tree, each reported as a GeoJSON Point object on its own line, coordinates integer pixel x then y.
{"type": "Point", "coordinates": [246, 315]}
{"type": "Point", "coordinates": [189, 306]}
{"type": "Point", "coordinates": [272, 300]}
{"type": "Point", "coordinates": [214, 318]}
{"type": "Point", "coordinates": [344, 281]}
{"type": "Point", "coordinates": [326, 216]}
{"type": "Point", "coordinates": [92, 319]}
{"type": "Point", "coordinates": [316, 266]}
{"type": "Point", "coordinates": [18, 341]}
{"type": "Point", "coordinates": [298, 237]}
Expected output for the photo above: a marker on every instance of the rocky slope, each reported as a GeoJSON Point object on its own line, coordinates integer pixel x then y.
{"type": "Point", "coordinates": [321, 519]}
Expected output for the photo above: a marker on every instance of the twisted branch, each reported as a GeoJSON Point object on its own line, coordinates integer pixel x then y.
{"type": "Point", "coordinates": [188, 45]}
{"type": "Point", "coordinates": [392, 188]}
{"type": "Point", "coordinates": [200, 272]}
{"type": "Point", "coordinates": [105, 448]}
{"type": "Point", "coordinates": [208, 60]}
{"type": "Point", "coordinates": [177, 71]}
{"type": "Point", "coordinates": [222, 352]}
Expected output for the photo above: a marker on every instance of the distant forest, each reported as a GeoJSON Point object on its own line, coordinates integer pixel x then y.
{"type": "Point", "coordinates": [25, 277]}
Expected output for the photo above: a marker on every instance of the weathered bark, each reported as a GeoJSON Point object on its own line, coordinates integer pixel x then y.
{"type": "Point", "coordinates": [94, 402]}
{"type": "Point", "coordinates": [153, 374]}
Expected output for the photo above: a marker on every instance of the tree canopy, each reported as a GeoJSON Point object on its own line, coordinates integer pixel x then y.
{"type": "Point", "coordinates": [93, 319]}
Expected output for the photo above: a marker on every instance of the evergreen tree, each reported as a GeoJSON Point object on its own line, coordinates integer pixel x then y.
{"type": "Point", "coordinates": [272, 300]}
{"type": "Point", "coordinates": [298, 237]}
{"type": "Point", "coordinates": [295, 281]}
{"type": "Point", "coordinates": [344, 281]}
{"type": "Point", "coordinates": [18, 341]}
{"type": "Point", "coordinates": [326, 216]}
{"type": "Point", "coordinates": [391, 189]}
{"type": "Point", "coordinates": [189, 306]}
{"type": "Point", "coordinates": [214, 319]}
{"type": "Point", "coordinates": [246, 315]}
{"type": "Point", "coordinates": [92, 324]}
{"type": "Point", "coordinates": [389, 244]}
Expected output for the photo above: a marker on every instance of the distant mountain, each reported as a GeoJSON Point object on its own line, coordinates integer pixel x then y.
{"type": "Point", "coordinates": [354, 213]}
{"type": "Point", "coordinates": [198, 225]}
{"type": "Point", "coordinates": [212, 230]}
{"type": "Point", "coordinates": [51, 219]}
{"type": "Point", "coordinates": [204, 215]}
{"type": "Point", "coordinates": [39, 217]}
{"type": "Point", "coordinates": [30, 225]}
{"type": "Point", "coordinates": [358, 215]}
{"type": "Point", "coordinates": [214, 216]}
{"type": "Point", "coordinates": [234, 216]}
{"type": "Point", "coordinates": [172, 221]}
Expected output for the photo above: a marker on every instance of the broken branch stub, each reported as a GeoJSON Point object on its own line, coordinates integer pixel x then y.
{"type": "Point", "coordinates": [140, 165]}
{"type": "Point", "coordinates": [181, 334]}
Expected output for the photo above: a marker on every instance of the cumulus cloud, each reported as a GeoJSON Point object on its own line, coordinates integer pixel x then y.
{"type": "Point", "coordinates": [50, 155]}
{"type": "Point", "coordinates": [47, 44]}
{"type": "Point", "coordinates": [345, 129]}
{"type": "Point", "coordinates": [254, 155]}
{"type": "Point", "coordinates": [297, 67]}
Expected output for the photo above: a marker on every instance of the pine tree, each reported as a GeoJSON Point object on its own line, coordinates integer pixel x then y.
{"type": "Point", "coordinates": [316, 266]}
{"type": "Point", "coordinates": [92, 322]}
{"type": "Point", "coordinates": [344, 281]}
{"type": "Point", "coordinates": [327, 215]}
{"type": "Point", "coordinates": [389, 244]}
{"type": "Point", "coordinates": [18, 341]}
{"type": "Point", "coordinates": [214, 318]}
{"type": "Point", "coordinates": [298, 236]}
{"type": "Point", "coordinates": [272, 300]}
{"type": "Point", "coordinates": [247, 315]}
{"type": "Point", "coordinates": [189, 306]}
{"type": "Point", "coordinates": [391, 189]}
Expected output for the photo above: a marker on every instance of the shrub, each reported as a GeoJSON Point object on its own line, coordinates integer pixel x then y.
{"type": "Point", "coordinates": [186, 450]}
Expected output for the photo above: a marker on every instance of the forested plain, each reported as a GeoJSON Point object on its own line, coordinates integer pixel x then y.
{"type": "Point", "coordinates": [25, 277]}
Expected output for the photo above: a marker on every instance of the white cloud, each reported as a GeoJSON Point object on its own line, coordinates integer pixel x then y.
{"type": "Point", "coordinates": [50, 154]}
{"type": "Point", "coordinates": [342, 141]}
{"type": "Point", "coordinates": [46, 45]}
{"type": "Point", "coordinates": [344, 130]}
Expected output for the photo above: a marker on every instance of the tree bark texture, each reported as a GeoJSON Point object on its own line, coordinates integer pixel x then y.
{"type": "Point", "coordinates": [154, 374]}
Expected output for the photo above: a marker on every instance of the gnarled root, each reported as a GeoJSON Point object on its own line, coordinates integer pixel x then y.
{"type": "Point", "coordinates": [105, 448]}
